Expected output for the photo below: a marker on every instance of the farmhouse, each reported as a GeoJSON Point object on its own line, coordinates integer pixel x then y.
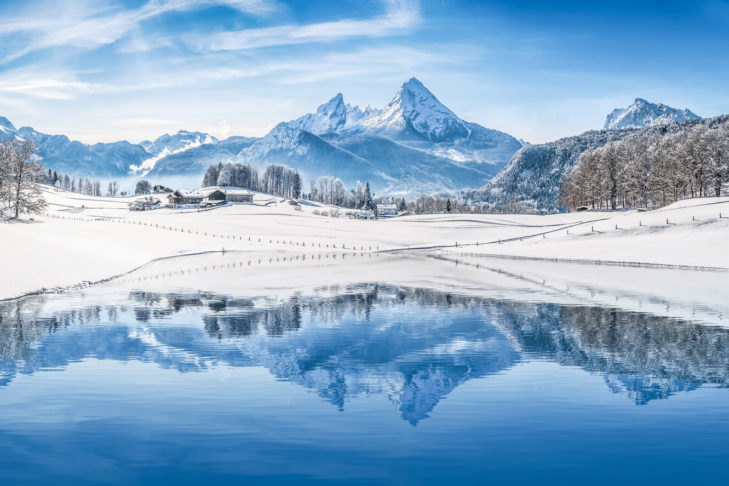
{"type": "Point", "coordinates": [210, 195]}
{"type": "Point", "coordinates": [185, 197]}
{"type": "Point", "coordinates": [227, 194]}
{"type": "Point", "coordinates": [236, 194]}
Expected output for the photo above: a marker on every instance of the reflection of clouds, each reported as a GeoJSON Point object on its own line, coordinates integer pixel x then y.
{"type": "Point", "coordinates": [413, 346]}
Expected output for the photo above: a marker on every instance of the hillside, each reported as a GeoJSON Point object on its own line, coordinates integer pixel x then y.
{"type": "Point", "coordinates": [533, 175]}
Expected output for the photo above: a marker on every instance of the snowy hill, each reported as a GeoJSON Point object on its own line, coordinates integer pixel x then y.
{"type": "Point", "coordinates": [645, 114]}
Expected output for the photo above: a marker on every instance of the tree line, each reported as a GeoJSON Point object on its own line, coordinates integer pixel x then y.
{"type": "Point", "coordinates": [82, 185]}
{"type": "Point", "coordinates": [20, 179]}
{"type": "Point", "coordinates": [277, 179]}
{"type": "Point", "coordinates": [650, 170]}
{"type": "Point", "coordinates": [283, 181]}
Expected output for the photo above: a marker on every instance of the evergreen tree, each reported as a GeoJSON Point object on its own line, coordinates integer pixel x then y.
{"type": "Point", "coordinates": [297, 186]}
{"type": "Point", "coordinates": [367, 197]}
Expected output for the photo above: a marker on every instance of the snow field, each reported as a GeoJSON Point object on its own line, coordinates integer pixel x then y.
{"type": "Point", "coordinates": [88, 239]}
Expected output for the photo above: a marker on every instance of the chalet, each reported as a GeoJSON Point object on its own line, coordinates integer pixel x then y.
{"type": "Point", "coordinates": [216, 196]}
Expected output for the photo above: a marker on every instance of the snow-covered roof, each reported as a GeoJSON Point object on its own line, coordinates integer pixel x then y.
{"type": "Point", "coordinates": [191, 193]}
{"type": "Point", "coordinates": [225, 189]}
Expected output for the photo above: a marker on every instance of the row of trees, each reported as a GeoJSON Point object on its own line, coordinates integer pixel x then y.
{"type": "Point", "coordinates": [20, 179]}
{"type": "Point", "coordinates": [283, 181]}
{"type": "Point", "coordinates": [277, 179]}
{"type": "Point", "coordinates": [331, 190]}
{"type": "Point", "coordinates": [82, 185]}
{"type": "Point", "coordinates": [650, 170]}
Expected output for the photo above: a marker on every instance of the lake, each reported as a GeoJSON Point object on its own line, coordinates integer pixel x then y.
{"type": "Point", "coordinates": [216, 371]}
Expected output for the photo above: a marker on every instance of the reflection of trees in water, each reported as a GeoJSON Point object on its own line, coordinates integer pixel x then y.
{"type": "Point", "coordinates": [644, 355]}
{"type": "Point", "coordinates": [325, 343]}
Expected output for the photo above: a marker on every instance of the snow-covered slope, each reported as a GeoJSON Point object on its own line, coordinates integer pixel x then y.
{"type": "Point", "coordinates": [643, 113]}
{"type": "Point", "coordinates": [416, 112]}
{"type": "Point", "coordinates": [194, 160]}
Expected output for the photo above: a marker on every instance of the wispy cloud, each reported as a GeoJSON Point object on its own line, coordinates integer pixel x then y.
{"type": "Point", "coordinates": [90, 25]}
{"type": "Point", "coordinates": [46, 87]}
{"type": "Point", "coordinates": [399, 16]}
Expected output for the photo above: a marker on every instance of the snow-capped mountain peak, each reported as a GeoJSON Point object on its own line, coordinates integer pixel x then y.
{"type": "Point", "coordinates": [330, 117]}
{"type": "Point", "coordinates": [643, 113]}
{"type": "Point", "coordinates": [415, 109]}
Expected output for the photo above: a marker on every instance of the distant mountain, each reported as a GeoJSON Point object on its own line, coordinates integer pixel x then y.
{"type": "Point", "coordinates": [195, 159]}
{"type": "Point", "coordinates": [311, 154]}
{"type": "Point", "coordinates": [180, 141]}
{"type": "Point", "coordinates": [413, 145]}
{"type": "Point", "coordinates": [415, 118]}
{"type": "Point", "coordinates": [73, 157]}
{"type": "Point", "coordinates": [643, 114]}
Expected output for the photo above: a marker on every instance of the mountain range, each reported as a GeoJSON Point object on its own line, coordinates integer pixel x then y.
{"type": "Point", "coordinates": [413, 145]}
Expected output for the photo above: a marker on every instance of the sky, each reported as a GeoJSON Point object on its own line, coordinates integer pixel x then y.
{"type": "Point", "coordinates": [101, 71]}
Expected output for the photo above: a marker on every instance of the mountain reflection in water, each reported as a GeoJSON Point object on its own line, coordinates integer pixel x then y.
{"type": "Point", "coordinates": [367, 339]}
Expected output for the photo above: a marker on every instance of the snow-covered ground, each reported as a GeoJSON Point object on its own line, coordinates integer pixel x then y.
{"type": "Point", "coordinates": [89, 239]}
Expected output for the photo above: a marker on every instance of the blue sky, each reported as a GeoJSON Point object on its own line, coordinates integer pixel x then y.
{"type": "Point", "coordinates": [104, 71]}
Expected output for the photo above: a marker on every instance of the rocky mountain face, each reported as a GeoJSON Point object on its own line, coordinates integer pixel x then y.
{"type": "Point", "coordinates": [643, 114]}
{"type": "Point", "coordinates": [413, 145]}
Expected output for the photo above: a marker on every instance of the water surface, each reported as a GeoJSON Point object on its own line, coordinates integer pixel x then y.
{"type": "Point", "coordinates": [366, 383]}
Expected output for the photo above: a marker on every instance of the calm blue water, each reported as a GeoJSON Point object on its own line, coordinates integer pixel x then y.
{"type": "Point", "coordinates": [371, 385]}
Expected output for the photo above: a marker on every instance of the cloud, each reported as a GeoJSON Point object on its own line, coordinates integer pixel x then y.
{"type": "Point", "coordinates": [224, 129]}
{"type": "Point", "coordinates": [399, 16]}
{"type": "Point", "coordinates": [90, 26]}
{"type": "Point", "coordinates": [46, 87]}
